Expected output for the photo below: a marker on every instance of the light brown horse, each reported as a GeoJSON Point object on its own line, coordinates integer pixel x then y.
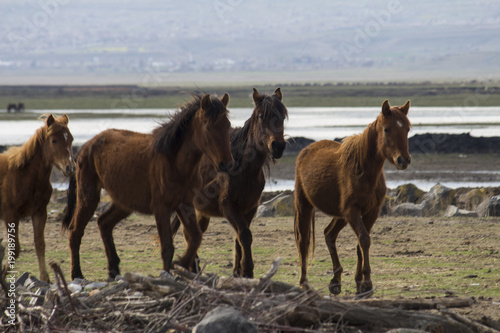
{"type": "Point", "coordinates": [236, 196]}
{"type": "Point", "coordinates": [347, 181]}
{"type": "Point", "coordinates": [148, 173]}
{"type": "Point", "coordinates": [25, 187]}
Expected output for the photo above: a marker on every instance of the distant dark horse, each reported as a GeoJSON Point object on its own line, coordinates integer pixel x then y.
{"type": "Point", "coordinates": [236, 196]}
{"type": "Point", "coordinates": [346, 180]}
{"type": "Point", "coordinates": [148, 173]}
{"type": "Point", "coordinates": [25, 187]}
{"type": "Point", "coordinates": [11, 107]}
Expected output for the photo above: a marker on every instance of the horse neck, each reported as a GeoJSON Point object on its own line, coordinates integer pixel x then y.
{"type": "Point", "coordinates": [254, 157]}
{"type": "Point", "coordinates": [370, 156]}
{"type": "Point", "coordinates": [36, 165]}
{"type": "Point", "coordinates": [188, 157]}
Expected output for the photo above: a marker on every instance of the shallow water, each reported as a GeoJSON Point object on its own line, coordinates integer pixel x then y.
{"type": "Point", "coordinates": [312, 122]}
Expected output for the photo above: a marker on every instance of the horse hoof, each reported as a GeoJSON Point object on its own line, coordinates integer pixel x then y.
{"type": "Point", "coordinates": [335, 288]}
{"type": "Point", "coordinates": [364, 292]}
{"type": "Point", "coordinates": [305, 286]}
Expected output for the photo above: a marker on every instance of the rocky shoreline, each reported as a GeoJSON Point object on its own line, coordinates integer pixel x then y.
{"type": "Point", "coordinates": [429, 143]}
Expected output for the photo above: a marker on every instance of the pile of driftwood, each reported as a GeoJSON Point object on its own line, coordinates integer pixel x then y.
{"type": "Point", "coordinates": [178, 302]}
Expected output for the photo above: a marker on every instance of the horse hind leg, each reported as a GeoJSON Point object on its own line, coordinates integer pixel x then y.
{"type": "Point", "coordinates": [331, 233]}
{"type": "Point", "coordinates": [88, 197]}
{"type": "Point", "coordinates": [106, 222]}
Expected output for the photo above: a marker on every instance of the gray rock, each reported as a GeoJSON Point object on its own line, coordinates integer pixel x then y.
{"type": "Point", "coordinates": [453, 211]}
{"type": "Point", "coordinates": [437, 199]}
{"type": "Point", "coordinates": [407, 193]}
{"type": "Point", "coordinates": [490, 207]}
{"type": "Point", "coordinates": [281, 205]}
{"type": "Point", "coordinates": [224, 319]}
{"type": "Point", "coordinates": [472, 199]}
{"type": "Point", "coordinates": [409, 209]}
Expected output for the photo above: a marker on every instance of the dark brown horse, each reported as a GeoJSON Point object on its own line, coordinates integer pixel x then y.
{"type": "Point", "coordinates": [25, 187]}
{"type": "Point", "coordinates": [236, 196]}
{"type": "Point", "coordinates": [148, 173]}
{"type": "Point", "coordinates": [347, 181]}
{"type": "Point", "coordinates": [11, 107]}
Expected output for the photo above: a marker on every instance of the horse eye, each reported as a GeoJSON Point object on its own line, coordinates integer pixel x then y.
{"type": "Point", "coordinates": [54, 140]}
{"type": "Point", "coordinates": [261, 116]}
{"type": "Point", "coordinates": [386, 130]}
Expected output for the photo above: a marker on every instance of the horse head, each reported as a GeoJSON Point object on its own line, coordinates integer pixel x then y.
{"type": "Point", "coordinates": [269, 115]}
{"type": "Point", "coordinates": [58, 144]}
{"type": "Point", "coordinates": [394, 127]}
{"type": "Point", "coordinates": [215, 131]}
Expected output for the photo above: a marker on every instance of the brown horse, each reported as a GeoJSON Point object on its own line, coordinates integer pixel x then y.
{"type": "Point", "coordinates": [347, 181]}
{"type": "Point", "coordinates": [25, 187]}
{"type": "Point", "coordinates": [236, 196]}
{"type": "Point", "coordinates": [148, 173]}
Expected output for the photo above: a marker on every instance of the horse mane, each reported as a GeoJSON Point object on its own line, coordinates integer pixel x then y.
{"type": "Point", "coordinates": [19, 157]}
{"type": "Point", "coordinates": [241, 138]}
{"type": "Point", "coordinates": [167, 138]}
{"type": "Point", "coordinates": [354, 149]}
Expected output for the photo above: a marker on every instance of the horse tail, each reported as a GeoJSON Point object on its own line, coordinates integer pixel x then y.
{"type": "Point", "coordinates": [69, 210]}
{"type": "Point", "coordinates": [311, 226]}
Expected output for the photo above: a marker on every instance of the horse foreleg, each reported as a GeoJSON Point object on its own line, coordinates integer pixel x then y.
{"type": "Point", "coordinates": [331, 233]}
{"type": "Point", "coordinates": [162, 217]}
{"type": "Point", "coordinates": [363, 271]}
{"type": "Point", "coordinates": [106, 222]}
{"type": "Point", "coordinates": [39, 219]}
{"type": "Point", "coordinates": [192, 236]}
{"type": "Point", "coordinates": [243, 261]}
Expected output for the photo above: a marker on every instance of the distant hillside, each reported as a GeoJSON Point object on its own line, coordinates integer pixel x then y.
{"type": "Point", "coordinates": [112, 37]}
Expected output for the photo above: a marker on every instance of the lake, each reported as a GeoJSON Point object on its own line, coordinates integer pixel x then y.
{"type": "Point", "coordinates": [313, 122]}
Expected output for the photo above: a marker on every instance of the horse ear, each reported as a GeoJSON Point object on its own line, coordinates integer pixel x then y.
{"type": "Point", "coordinates": [206, 102]}
{"type": "Point", "coordinates": [257, 98]}
{"type": "Point", "coordinates": [50, 120]}
{"type": "Point", "coordinates": [386, 109]}
{"type": "Point", "coordinates": [64, 119]}
{"type": "Point", "coordinates": [278, 93]}
{"type": "Point", "coordinates": [225, 99]}
{"type": "Point", "coordinates": [405, 108]}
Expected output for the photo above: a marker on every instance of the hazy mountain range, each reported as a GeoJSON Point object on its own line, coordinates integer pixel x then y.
{"type": "Point", "coordinates": [111, 37]}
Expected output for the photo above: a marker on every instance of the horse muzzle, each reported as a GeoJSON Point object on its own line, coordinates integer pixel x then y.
{"type": "Point", "coordinates": [277, 148]}
{"type": "Point", "coordinates": [402, 163]}
{"type": "Point", "coordinates": [69, 169]}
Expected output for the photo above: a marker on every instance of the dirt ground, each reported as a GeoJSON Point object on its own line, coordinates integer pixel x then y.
{"type": "Point", "coordinates": [410, 257]}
